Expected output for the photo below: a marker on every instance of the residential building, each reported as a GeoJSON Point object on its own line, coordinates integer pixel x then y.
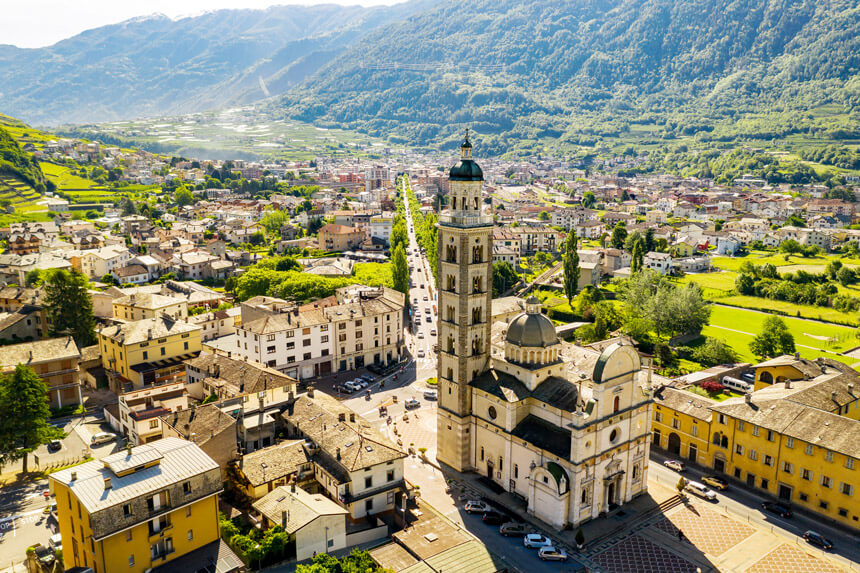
{"type": "Point", "coordinates": [381, 225]}
{"type": "Point", "coordinates": [96, 263]}
{"type": "Point", "coordinates": [138, 509]}
{"type": "Point", "coordinates": [354, 464]}
{"type": "Point", "coordinates": [334, 237]}
{"type": "Point", "coordinates": [218, 323]}
{"type": "Point", "coordinates": [145, 365]}
{"type": "Point", "coordinates": [149, 305]}
{"type": "Point", "coordinates": [314, 523]}
{"type": "Point", "coordinates": [229, 378]}
{"type": "Point", "coordinates": [207, 426]}
{"type": "Point", "coordinates": [56, 361]}
{"type": "Point", "coordinates": [660, 262]}
{"type": "Point", "coordinates": [262, 471]}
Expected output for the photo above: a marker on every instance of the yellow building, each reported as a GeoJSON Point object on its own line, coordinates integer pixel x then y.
{"type": "Point", "coordinates": [796, 440]}
{"type": "Point", "coordinates": [138, 509]}
{"type": "Point", "coordinates": [793, 367]}
{"type": "Point", "coordinates": [145, 361]}
{"type": "Point", "coordinates": [682, 424]}
{"type": "Point", "coordinates": [148, 351]}
{"type": "Point", "coordinates": [149, 305]}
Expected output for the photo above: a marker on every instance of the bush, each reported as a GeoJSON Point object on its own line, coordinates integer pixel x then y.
{"type": "Point", "coordinates": [712, 386]}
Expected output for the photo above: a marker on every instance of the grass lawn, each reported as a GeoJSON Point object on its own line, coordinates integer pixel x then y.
{"type": "Point", "coordinates": [791, 308]}
{"type": "Point", "coordinates": [762, 257]}
{"type": "Point", "coordinates": [817, 336]}
{"type": "Point", "coordinates": [719, 396]}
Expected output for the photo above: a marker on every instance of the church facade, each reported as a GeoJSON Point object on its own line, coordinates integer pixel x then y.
{"type": "Point", "coordinates": [564, 427]}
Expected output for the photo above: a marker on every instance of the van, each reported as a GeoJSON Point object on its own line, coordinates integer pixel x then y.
{"type": "Point", "coordinates": [737, 384]}
{"type": "Point", "coordinates": [701, 490]}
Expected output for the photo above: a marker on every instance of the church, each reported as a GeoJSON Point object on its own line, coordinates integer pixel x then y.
{"type": "Point", "coordinates": [564, 427]}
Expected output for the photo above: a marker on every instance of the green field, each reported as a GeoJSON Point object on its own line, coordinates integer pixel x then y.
{"type": "Point", "coordinates": [737, 327]}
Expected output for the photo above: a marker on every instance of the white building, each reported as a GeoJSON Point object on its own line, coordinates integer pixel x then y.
{"type": "Point", "coordinates": [96, 263]}
{"type": "Point", "coordinates": [660, 262]}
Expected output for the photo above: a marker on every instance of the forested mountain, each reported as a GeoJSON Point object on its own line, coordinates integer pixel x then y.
{"type": "Point", "coordinates": [521, 70]}
{"type": "Point", "coordinates": [157, 66]}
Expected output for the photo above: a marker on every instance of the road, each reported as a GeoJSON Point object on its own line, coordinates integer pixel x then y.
{"type": "Point", "coordinates": [747, 505]}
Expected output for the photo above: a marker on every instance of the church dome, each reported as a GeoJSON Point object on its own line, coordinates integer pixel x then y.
{"type": "Point", "coordinates": [531, 328]}
{"type": "Point", "coordinates": [466, 170]}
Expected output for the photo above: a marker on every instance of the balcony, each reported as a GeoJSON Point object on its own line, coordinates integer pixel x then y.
{"type": "Point", "coordinates": [465, 219]}
{"type": "Point", "coordinates": [350, 497]}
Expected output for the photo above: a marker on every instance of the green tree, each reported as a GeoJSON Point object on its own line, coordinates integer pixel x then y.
{"type": "Point", "coordinates": [182, 196]}
{"type": "Point", "coordinates": [588, 199]}
{"type": "Point", "coordinates": [649, 240]}
{"type": "Point", "coordinates": [619, 234]}
{"type": "Point", "coordinates": [400, 269]}
{"type": "Point", "coordinates": [399, 234]}
{"type": "Point", "coordinates": [774, 340]}
{"type": "Point", "coordinates": [638, 259]}
{"type": "Point", "coordinates": [570, 265]}
{"type": "Point", "coordinates": [714, 351]}
{"type": "Point", "coordinates": [790, 246]}
{"type": "Point", "coordinates": [24, 415]}
{"type": "Point", "coordinates": [504, 277]}
{"type": "Point", "coordinates": [846, 276]}
{"type": "Point", "coordinates": [127, 207]}
{"type": "Point", "coordinates": [69, 306]}
{"type": "Point", "coordinates": [543, 216]}
{"type": "Point", "coordinates": [109, 279]}
{"type": "Point", "coordinates": [745, 284]}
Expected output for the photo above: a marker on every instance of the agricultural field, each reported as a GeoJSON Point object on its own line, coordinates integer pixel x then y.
{"type": "Point", "coordinates": [239, 133]}
{"type": "Point", "coordinates": [77, 188]}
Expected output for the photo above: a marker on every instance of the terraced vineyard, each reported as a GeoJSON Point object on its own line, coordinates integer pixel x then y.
{"type": "Point", "coordinates": [22, 198]}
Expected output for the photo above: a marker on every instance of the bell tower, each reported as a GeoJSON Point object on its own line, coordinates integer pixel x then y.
{"type": "Point", "coordinates": [465, 306]}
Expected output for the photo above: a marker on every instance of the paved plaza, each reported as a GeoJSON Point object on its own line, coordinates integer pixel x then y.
{"type": "Point", "coordinates": [710, 532]}
{"type": "Point", "coordinates": [638, 554]}
{"type": "Point", "coordinates": [790, 559]}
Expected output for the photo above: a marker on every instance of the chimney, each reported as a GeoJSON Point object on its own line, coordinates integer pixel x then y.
{"type": "Point", "coordinates": [851, 387]}
{"type": "Point", "coordinates": [788, 384]}
{"type": "Point", "coordinates": [337, 454]}
{"type": "Point", "coordinates": [74, 476]}
{"type": "Point", "coordinates": [797, 355]}
{"type": "Point", "coordinates": [833, 395]}
{"type": "Point", "coordinates": [107, 483]}
{"type": "Point", "coordinates": [310, 391]}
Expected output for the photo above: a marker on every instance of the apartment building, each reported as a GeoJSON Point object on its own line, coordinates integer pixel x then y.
{"type": "Point", "coordinates": [56, 361]}
{"type": "Point", "coordinates": [146, 369]}
{"type": "Point", "coordinates": [149, 305]}
{"type": "Point", "coordinates": [354, 464]}
{"type": "Point", "coordinates": [334, 237]}
{"type": "Point", "coordinates": [141, 508]}
{"type": "Point", "coordinates": [794, 440]}
{"type": "Point", "coordinates": [96, 263]}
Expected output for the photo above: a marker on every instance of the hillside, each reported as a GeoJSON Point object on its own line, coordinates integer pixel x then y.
{"type": "Point", "coordinates": [158, 66]}
{"type": "Point", "coordinates": [523, 71]}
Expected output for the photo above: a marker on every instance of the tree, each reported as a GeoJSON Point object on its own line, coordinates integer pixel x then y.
{"type": "Point", "coordinates": [619, 234]}
{"type": "Point", "coordinates": [400, 269]}
{"type": "Point", "coordinates": [790, 246]}
{"type": "Point", "coordinates": [24, 415]}
{"type": "Point", "coordinates": [543, 216]}
{"type": "Point", "coordinates": [182, 196]}
{"type": "Point", "coordinates": [571, 265]}
{"type": "Point", "coordinates": [649, 240]}
{"type": "Point", "coordinates": [399, 234]}
{"type": "Point", "coordinates": [504, 277]}
{"type": "Point", "coordinates": [127, 207]}
{"type": "Point", "coordinates": [638, 259]}
{"type": "Point", "coordinates": [745, 284]}
{"type": "Point", "coordinates": [714, 351]}
{"type": "Point", "coordinates": [588, 199]}
{"type": "Point", "coordinates": [69, 306]}
{"type": "Point", "coordinates": [846, 276]}
{"type": "Point", "coordinates": [774, 340]}
{"type": "Point", "coordinates": [109, 279]}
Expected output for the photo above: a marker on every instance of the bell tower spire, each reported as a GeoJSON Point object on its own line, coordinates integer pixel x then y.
{"type": "Point", "coordinates": [465, 299]}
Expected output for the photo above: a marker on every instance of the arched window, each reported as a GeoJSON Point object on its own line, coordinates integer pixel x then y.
{"type": "Point", "coordinates": [478, 254]}
{"type": "Point", "coordinates": [476, 203]}
{"type": "Point", "coordinates": [476, 315]}
{"type": "Point", "coordinates": [451, 254]}
{"type": "Point", "coordinates": [766, 377]}
{"type": "Point", "coordinates": [482, 453]}
{"type": "Point", "coordinates": [451, 374]}
{"type": "Point", "coordinates": [450, 345]}
{"type": "Point", "coordinates": [450, 314]}
{"type": "Point", "coordinates": [477, 283]}
{"type": "Point", "coordinates": [452, 283]}
{"type": "Point", "coordinates": [454, 203]}
{"type": "Point", "coordinates": [616, 403]}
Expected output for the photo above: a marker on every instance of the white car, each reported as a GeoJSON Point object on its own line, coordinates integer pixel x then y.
{"type": "Point", "coordinates": [550, 553]}
{"type": "Point", "coordinates": [102, 438]}
{"type": "Point", "coordinates": [476, 507]}
{"type": "Point", "coordinates": [675, 465]}
{"type": "Point", "coordinates": [420, 334]}
{"type": "Point", "coordinates": [431, 395]}
{"type": "Point", "coordinates": [536, 540]}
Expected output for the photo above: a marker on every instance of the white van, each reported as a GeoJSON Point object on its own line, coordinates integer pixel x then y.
{"type": "Point", "coordinates": [701, 490]}
{"type": "Point", "coordinates": [737, 384]}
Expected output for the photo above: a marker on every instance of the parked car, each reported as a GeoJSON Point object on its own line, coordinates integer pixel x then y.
{"type": "Point", "coordinates": [701, 490]}
{"type": "Point", "coordinates": [675, 465]}
{"type": "Point", "coordinates": [716, 482]}
{"type": "Point", "coordinates": [432, 332]}
{"type": "Point", "coordinates": [552, 554]}
{"type": "Point", "coordinates": [475, 506]}
{"type": "Point", "coordinates": [493, 517]}
{"type": "Point", "coordinates": [55, 446]}
{"type": "Point", "coordinates": [56, 542]}
{"type": "Point", "coordinates": [817, 539]}
{"type": "Point", "coordinates": [102, 438]}
{"type": "Point", "coordinates": [431, 395]}
{"type": "Point", "coordinates": [420, 352]}
{"type": "Point", "coordinates": [345, 389]}
{"type": "Point", "coordinates": [352, 386]}
{"type": "Point", "coordinates": [536, 540]}
{"type": "Point", "coordinates": [411, 403]}
{"type": "Point", "coordinates": [420, 334]}
{"type": "Point", "coordinates": [776, 508]}
{"type": "Point", "coordinates": [513, 529]}
{"type": "Point", "coordinates": [44, 554]}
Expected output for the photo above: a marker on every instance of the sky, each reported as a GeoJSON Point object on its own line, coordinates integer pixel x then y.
{"type": "Point", "coordinates": [38, 23]}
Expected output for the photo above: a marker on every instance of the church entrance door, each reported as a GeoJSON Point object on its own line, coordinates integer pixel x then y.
{"type": "Point", "coordinates": [489, 470]}
{"type": "Point", "coordinates": [610, 495]}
